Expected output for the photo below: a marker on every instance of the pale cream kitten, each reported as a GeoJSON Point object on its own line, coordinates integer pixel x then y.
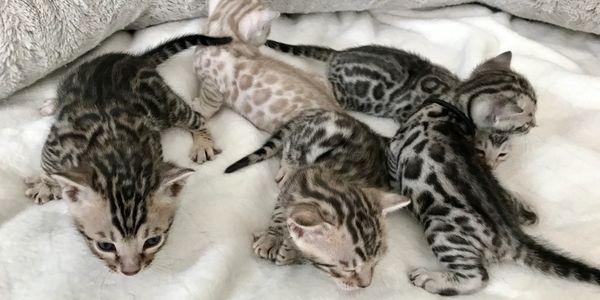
{"type": "Point", "coordinates": [264, 90]}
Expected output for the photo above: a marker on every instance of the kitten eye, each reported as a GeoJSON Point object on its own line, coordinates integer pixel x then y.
{"type": "Point", "coordinates": [502, 155]}
{"type": "Point", "coordinates": [106, 246]}
{"type": "Point", "coordinates": [151, 242]}
{"type": "Point", "coordinates": [480, 152]}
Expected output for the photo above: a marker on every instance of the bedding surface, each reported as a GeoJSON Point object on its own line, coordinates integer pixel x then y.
{"type": "Point", "coordinates": [209, 256]}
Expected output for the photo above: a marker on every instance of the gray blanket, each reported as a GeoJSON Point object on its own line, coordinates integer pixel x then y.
{"type": "Point", "coordinates": [39, 36]}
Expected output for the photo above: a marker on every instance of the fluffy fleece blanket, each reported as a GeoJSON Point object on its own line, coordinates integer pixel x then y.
{"type": "Point", "coordinates": [209, 256]}
{"type": "Point", "coordinates": [38, 36]}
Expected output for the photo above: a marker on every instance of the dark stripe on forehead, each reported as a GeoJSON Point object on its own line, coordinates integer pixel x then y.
{"type": "Point", "coordinates": [310, 192]}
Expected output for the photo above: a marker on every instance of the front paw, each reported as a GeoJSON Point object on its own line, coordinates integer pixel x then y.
{"type": "Point", "coordinates": [203, 148]}
{"type": "Point", "coordinates": [41, 191]}
{"type": "Point", "coordinates": [527, 216]}
{"type": "Point", "coordinates": [48, 107]}
{"type": "Point", "coordinates": [266, 245]}
{"type": "Point", "coordinates": [287, 253]}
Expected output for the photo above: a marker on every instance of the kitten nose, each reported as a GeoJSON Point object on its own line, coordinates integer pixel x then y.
{"type": "Point", "coordinates": [130, 272]}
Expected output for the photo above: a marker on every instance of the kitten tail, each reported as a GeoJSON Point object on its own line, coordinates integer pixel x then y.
{"type": "Point", "coordinates": [169, 48]}
{"type": "Point", "coordinates": [534, 254]}
{"type": "Point", "coordinates": [314, 52]}
{"type": "Point", "coordinates": [271, 147]}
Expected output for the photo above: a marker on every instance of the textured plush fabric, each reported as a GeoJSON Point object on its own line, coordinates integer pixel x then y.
{"type": "Point", "coordinates": [208, 254]}
{"type": "Point", "coordinates": [39, 36]}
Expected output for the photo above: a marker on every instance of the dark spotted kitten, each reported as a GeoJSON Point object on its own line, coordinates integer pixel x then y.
{"type": "Point", "coordinates": [103, 153]}
{"type": "Point", "coordinates": [331, 205]}
{"type": "Point", "coordinates": [389, 82]}
{"type": "Point", "coordinates": [470, 220]}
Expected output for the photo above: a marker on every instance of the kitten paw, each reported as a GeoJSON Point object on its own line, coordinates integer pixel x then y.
{"type": "Point", "coordinates": [426, 280]}
{"type": "Point", "coordinates": [287, 253]}
{"type": "Point", "coordinates": [40, 190]}
{"type": "Point", "coordinates": [448, 283]}
{"type": "Point", "coordinates": [267, 245]}
{"type": "Point", "coordinates": [203, 148]}
{"type": "Point", "coordinates": [48, 107]}
{"type": "Point", "coordinates": [527, 216]}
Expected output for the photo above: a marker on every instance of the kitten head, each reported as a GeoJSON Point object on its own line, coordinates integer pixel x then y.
{"type": "Point", "coordinates": [124, 224]}
{"type": "Point", "coordinates": [499, 99]}
{"type": "Point", "coordinates": [343, 233]}
{"type": "Point", "coordinates": [247, 21]}
{"type": "Point", "coordinates": [494, 148]}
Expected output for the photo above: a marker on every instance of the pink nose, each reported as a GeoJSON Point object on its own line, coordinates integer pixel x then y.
{"type": "Point", "coordinates": [130, 272]}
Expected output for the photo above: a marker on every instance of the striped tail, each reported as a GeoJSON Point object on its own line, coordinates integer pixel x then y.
{"type": "Point", "coordinates": [268, 150]}
{"type": "Point", "coordinates": [314, 52]}
{"type": "Point", "coordinates": [169, 48]}
{"type": "Point", "coordinates": [534, 254]}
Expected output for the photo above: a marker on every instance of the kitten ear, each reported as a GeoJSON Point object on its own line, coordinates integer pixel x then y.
{"type": "Point", "coordinates": [306, 223]}
{"type": "Point", "coordinates": [389, 201]}
{"type": "Point", "coordinates": [172, 178]}
{"type": "Point", "coordinates": [255, 27]}
{"type": "Point", "coordinates": [496, 114]}
{"type": "Point", "coordinates": [500, 62]}
{"type": "Point", "coordinates": [74, 183]}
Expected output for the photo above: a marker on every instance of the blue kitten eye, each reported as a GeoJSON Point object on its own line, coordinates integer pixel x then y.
{"type": "Point", "coordinates": [106, 246]}
{"type": "Point", "coordinates": [151, 242]}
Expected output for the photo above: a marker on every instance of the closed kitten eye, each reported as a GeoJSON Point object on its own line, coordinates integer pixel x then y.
{"type": "Point", "coordinates": [153, 241]}
{"type": "Point", "coordinates": [502, 155]}
{"type": "Point", "coordinates": [480, 152]}
{"type": "Point", "coordinates": [106, 246]}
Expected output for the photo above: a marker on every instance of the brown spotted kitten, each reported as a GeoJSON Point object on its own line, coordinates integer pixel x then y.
{"type": "Point", "coordinates": [265, 91]}
{"type": "Point", "coordinates": [330, 210]}
{"type": "Point", "coordinates": [103, 153]}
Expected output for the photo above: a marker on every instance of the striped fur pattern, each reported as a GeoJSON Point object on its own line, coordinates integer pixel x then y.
{"type": "Point", "coordinates": [388, 82]}
{"type": "Point", "coordinates": [333, 196]}
{"type": "Point", "coordinates": [494, 148]}
{"type": "Point", "coordinates": [470, 220]}
{"type": "Point", "coordinates": [103, 153]}
{"type": "Point", "coordinates": [265, 91]}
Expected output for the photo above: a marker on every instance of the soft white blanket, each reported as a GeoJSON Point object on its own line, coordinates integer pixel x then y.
{"type": "Point", "coordinates": [209, 256]}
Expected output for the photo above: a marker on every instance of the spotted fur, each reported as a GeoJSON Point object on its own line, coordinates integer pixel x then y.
{"type": "Point", "coordinates": [389, 82]}
{"type": "Point", "coordinates": [103, 153]}
{"type": "Point", "coordinates": [470, 220]}
{"type": "Point", "coordinates": [265, 91]}
{"type": "Point", "coordinates": [333, 196]}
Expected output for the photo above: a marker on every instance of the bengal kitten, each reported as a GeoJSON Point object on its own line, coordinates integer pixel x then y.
{"type": "Point", "coordinates": [470, 220]}
{"type": "Point", "coordinates": [265, 91]}
{"type": "Point", "coordinates": [389, 82]}
{"type": "Point", "coordinates": [331, 206]}
{"type": "Point", "coordinates": [103, 153]}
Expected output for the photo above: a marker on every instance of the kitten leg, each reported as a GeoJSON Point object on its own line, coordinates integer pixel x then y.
{"type": "Point", "coordinates": [183, 116]}
{"type": "Point", "coordinates": [464, 278]}
{"type": "Point", "coordinates": [209, 99]}
{"type": "Point", "coordinates": [48, 107]}
{"type": "Point", "coordinates": [525, 213]}
{"type": "Point", "coordinates": [284, 173]}
{"type": "Point", "coordinates": [42, 189]}
{"type": "Point", "coordinates": [462, 258]}
{"type": "Point", "coordinates": [288, 254]}
{"type": "Point", "coordinates": [267, 243]}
